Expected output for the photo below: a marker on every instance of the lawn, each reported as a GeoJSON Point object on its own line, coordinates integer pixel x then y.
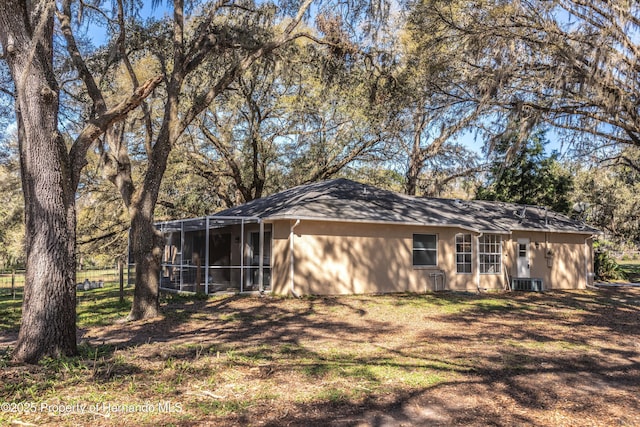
{"type": "Point", "coordinates": [631, 270]}
{"type": "Point", "coordinates": [558, 358]}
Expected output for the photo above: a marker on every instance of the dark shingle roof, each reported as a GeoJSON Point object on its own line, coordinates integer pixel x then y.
{"type": "Point", "coordinates": [345, 200]}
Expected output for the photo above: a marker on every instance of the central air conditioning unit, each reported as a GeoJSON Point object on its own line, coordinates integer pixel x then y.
{"type": "Point", "coordinates": [527, 284]}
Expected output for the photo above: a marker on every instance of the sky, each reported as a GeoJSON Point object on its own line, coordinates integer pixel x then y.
{"type": "Point", "coordinates": [468, 139]}
{"type": "Point", "coordinates": [98, 34]}
{"type": "Point", "coordinates": [477, 144]}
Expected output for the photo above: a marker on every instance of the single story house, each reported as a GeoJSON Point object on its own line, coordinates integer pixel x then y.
{"type": "Point", "coordinates": [344, 237]}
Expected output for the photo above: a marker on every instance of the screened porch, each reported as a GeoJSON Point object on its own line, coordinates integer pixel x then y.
{"type": "Point", "coordinates": [216, 254]}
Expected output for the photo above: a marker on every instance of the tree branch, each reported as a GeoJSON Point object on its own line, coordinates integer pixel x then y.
{"type": "Point", "coordinates": [98, 125]}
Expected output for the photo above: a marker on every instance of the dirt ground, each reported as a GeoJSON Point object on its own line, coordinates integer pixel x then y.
{"type": "Point", "coordinates": [558, 358]}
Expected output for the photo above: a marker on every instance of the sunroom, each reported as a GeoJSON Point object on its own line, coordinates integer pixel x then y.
{"type": "Point", "coordinates": [216, 254]}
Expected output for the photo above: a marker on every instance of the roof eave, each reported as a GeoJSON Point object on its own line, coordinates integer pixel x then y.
{"type": "Point", "coordinates": [273, 218]}
{"type": "Point", "coordinates": [558, 230]}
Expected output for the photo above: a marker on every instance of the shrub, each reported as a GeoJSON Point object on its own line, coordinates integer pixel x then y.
{"type": "Point", "coordinates": [607, 268]}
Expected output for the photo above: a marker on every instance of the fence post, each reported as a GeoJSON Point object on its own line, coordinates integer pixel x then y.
{"type": "Point", "coordinates": [13, 284]}
{"type": "Point", "coordinates": [121, 277]}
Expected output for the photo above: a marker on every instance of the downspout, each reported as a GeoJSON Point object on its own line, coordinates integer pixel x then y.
{"type": "Point", "coordinates": [261, 258]}
{"type": "Point", "coordinates": [586, 261]}
{"type": "Point", "coordinates": [292, 260]}
{"type": "Point", "coordinates": [206, 256]}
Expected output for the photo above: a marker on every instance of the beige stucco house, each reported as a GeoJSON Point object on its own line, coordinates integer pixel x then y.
{"type": "Point", "coordinates": [343, 237]}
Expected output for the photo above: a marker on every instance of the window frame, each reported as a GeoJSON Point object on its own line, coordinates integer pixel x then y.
{"type": "Point", "coordinates": [414, 249]}
{"type": "Point", "coordinates": [466, 254]}
{"type": "Point", "coordinates": [522, 250]}
{"type": "Point", "coordinates": [490, 253]}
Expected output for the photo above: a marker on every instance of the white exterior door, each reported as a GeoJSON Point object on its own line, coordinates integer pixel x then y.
{"type": "Point", "coordinates": [522, 252]}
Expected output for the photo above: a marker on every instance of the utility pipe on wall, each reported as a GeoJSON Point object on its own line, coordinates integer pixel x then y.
{"type": "Point", "coordinates": [292, 259]}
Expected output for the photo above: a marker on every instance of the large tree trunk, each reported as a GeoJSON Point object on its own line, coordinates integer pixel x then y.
{"type": "Point", "coordinates": [146, 246]}
{"type": "Point", "coordinates": [413, 172]}
{"type": "Point", "coordinates": [416, 158]}
{"type": "Point", "coordinates": [146, 240]}
{"type": "Point", "coordinates": [48, 325]}
{"type": "Point", "coordinates": [48, 310]}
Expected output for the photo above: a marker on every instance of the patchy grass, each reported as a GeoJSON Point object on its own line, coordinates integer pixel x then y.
{"type": "Point", "coordinates": [631, 269]}
{"type": "Point", "coordinates": [568, 358]}
{"type": "Point", "coordinates": [10, 312]}
{"type": "Point", "coordinates": [102, 306]}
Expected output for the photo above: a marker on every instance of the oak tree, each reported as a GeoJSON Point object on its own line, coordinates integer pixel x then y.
{"type": "Point", "coordinates": [50, 172]}
{"type": "Point", "coordinates": [569, 63]}
{"type": "Point", "coordinates": [221, 40]}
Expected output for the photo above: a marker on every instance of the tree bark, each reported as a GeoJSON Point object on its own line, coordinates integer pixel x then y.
{"type": "Point", "coordinates": [416, 158]}
{"type": "Point", "coordinates": [48, 325]}
{"type": "Point", "coordinates": [146, 244]}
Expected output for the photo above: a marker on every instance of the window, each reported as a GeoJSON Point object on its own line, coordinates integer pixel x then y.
{"type": "Point", "coordinates": [522, 250]}
{"type": "Point", "coordinates": [490, 252]}
{"type": "Point", "coordinates": [463, 253]}
{"type": "Point", "coordinates": [425, 250]}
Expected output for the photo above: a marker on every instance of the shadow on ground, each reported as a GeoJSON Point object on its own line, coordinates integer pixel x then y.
{"type": "Point", "coordinates": [495, 359]}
